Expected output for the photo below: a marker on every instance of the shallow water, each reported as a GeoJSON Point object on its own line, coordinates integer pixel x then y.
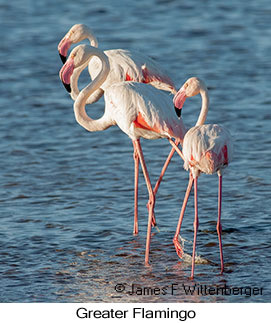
{"type": "Point", "coordinates": [67, 195]}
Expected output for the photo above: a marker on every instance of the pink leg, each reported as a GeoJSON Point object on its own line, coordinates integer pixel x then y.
{"type": "Point", "coordinates": [176, 242]}
{"type": "Point", "coordinates": [196, 224]}
{"type": "Point", "coordinates": [175, 146]}
{"type": "Point", "coordinates": [136, 159]}
{"type": "Point", "coordinates": [166, 165]}
{"type": "Point", "coordinates": [163, 170]}
{"type": "Point", "coordinates": [151, 198]}
{"type": "Point", "coordinates": [219, 227]}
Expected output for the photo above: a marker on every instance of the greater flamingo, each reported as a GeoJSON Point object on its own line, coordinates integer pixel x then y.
{"type": "Point", "coordinates": [206, 149]}
{"type": "Point", "coordinates": [139, 110]}
{"type": "Point", "coordinates": [124, 65]}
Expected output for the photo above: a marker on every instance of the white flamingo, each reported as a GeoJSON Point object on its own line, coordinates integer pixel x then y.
{"type": "Point", "coordinates": [206, 149]}
{"type": "Point", "coordinates": [124, 65]}
{"type": "Point", "coordinates": [139, 110]}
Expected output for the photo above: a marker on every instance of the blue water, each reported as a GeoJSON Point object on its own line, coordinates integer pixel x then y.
{"type": "Point", "coordinates": [66, 195]}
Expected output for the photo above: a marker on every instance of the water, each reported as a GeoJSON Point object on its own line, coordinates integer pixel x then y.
{"type": "Point", "coordinates": [67, 195]}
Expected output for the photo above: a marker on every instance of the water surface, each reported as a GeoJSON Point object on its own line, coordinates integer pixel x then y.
{"type": "Point", "coordinates": [66, 195]}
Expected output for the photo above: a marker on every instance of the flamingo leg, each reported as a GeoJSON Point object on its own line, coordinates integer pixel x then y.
{"type": "Point", "coordinates": [219, 226]}
{"type": "Point", "coordinates": [151, 199]}
{"type": "Point", "coordinates": [165, 167]}
{"type": "Point", "coordinates": [196, 224]}
{"type": "Point", "coordinates": [176, 242]}
{"type": "Point", "coordinates": [163, 170]}
{"type": "Point", "coordinates": [136, 160]}
{"type": "Point", "coordinates": [175, 146]}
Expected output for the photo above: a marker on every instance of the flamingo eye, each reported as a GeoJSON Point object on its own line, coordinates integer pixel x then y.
{"type": "Point", "coordinates": [70, 33]}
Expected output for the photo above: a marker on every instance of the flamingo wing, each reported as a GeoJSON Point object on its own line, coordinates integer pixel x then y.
{"type": "Point", "coordinates": [156, 77]}
{"type": "Point", "coordinates": [122, 67]}
{"type": "Point", "coordinates": [207, 147]}
{"type": "Point", "coordinates": [127, 66]}
{"type": "Point", "coordinates": [142, 110]}
{"type": "Point", "coordinates": [152, 73]}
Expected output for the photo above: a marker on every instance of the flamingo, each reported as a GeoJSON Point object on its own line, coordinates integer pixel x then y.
{"type": "Point", "coordinates": [140, 110]}
{"type": "Point", "coordinates": [206, 149]}
{"type": "Point", "coordinates": [124, 65]}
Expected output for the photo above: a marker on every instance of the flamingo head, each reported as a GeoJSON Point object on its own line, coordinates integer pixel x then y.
{"type": "Point", "coordinates": [190, 88]}
{"type": "Point", "coordinates": [76, 34]}
{"type": "Point", "coordinates": [78, 57]}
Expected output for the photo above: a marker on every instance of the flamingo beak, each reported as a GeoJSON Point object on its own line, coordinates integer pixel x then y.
{"type": "Point", "coordinates": [178, 101]}
{"type": "Point", "coordinates": [63, 58]}
{"type": "Point", "coordinates": [178, 112]}
{"type": "Point", "coordinates": [66, 72]}
{"type": "Point", "coordinates": [67, 87]}
{"type": "Point", "coordinates": [63, 48]}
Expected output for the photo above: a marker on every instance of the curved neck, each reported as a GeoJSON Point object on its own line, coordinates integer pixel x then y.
{"type": "Point", "coordinates": [204, 106]}
{"type": "Point", "coordinates": [74, 81]}
{"type": "Point", "coordinates": [80, 103]}
{"type": "Point", "coordinates": [75, 90]}
{"type": "Point", "coordinates": [92, 39]}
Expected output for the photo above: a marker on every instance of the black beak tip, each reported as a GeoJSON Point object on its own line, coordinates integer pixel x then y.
{"type": "Point", "coordinates": [67, 87]}
{"type": "Point", "coordinates": [63, 58]}
{"type": "Point", "coordinates": [178, 112]}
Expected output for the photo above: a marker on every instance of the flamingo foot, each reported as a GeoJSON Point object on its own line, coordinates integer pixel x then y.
{"type": "Point", "coordinates": [179, 249]}
{"type": "Point", "coordinates": [147, 263]}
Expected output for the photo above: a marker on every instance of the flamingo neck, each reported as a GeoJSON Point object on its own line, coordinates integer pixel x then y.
{"type": "Point", "coordinates": [92, 39]}
{"type": "Point", "coordinates": [74, 81]}
{"type": "Point", "coordinates": [80, 103]}
{"type": "Point", "coordinates": [204, 106]}
{"type": "Point", "coordinates": [75, 90]}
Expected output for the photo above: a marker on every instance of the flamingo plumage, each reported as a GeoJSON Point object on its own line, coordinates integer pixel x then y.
{"type": "Point", "coordinates": [140, 110]}
{"type": "Point", "coordinates": [124, 64]}
{"type": "Point", "coordinates": [206, 149]}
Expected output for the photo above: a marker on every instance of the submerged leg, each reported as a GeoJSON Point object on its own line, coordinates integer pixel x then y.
{"type": "Point", "coordinates": [196, 224]}
{"type": "Point", "coordinates": [176, 242]}
{"type": "Point", "coordinates": [219, 227]}
{"type": "Point", "coordinates": [151, 199]}
{"type": "Point", "coordinates": [136, 160]}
